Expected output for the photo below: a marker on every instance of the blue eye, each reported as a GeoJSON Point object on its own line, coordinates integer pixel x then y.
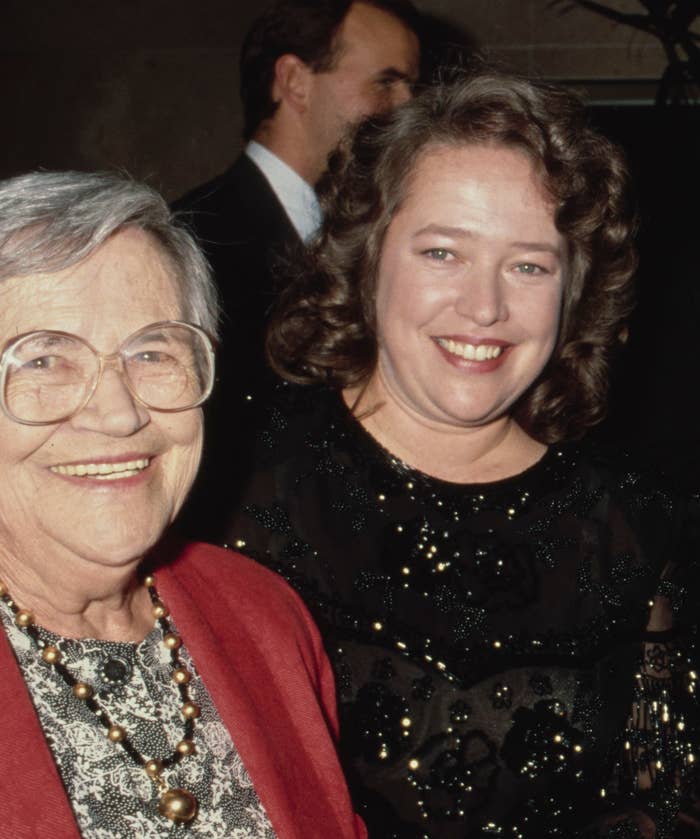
{"type": "Point", "coordinates": [530, 268]}
{"type": "Point", "coordinates": [42, 363]}
{"type": "Point", "coordinates": [438, 254]}
{"type": "Point", "coordinates": [45, 363]}
{"type": "Point", "coordinates": [150, 356]}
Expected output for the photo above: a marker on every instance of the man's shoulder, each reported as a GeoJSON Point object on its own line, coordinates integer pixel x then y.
{"type": "Point", "coordinates": [226, 190]}
{"type": "Point", "coordinates": [238, 205]}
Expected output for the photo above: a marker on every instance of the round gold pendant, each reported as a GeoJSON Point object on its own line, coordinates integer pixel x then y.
{"type": "Point", "coordinates": [178, 805]}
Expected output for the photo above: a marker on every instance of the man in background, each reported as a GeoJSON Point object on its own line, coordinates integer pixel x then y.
{"type": "Point", "coordinates": [309, 69]}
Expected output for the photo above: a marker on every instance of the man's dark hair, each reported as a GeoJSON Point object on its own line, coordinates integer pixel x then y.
{"type": "Point", "coordinates": [305, 28]}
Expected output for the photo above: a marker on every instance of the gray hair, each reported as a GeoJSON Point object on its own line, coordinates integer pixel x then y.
{"type": "Point", "coordinates": [52, 220]}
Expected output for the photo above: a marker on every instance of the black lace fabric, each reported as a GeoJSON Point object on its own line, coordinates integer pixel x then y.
{"type": "Point", "coordinates": [513, 659]}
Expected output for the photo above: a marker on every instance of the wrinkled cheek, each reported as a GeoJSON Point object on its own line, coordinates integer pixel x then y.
{"type": "Point", "coordinates": [17, 508]}
{"type": "Point", "coordinates": [185, 465]}
{"type": "Point", "coordinates": [192, 466]}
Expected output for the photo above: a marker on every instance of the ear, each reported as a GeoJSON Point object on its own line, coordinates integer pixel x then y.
{"type": "Point", "coordinates": [292, 82]}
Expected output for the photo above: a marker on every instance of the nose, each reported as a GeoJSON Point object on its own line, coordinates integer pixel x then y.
{"type": "Point", "coordinates": [111, 410]}
{"type": "Point", "coordinates": [481, 298]}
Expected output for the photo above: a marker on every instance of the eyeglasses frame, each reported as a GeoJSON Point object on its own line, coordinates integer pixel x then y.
{"type": "Point", "coordinates": [105, 359]}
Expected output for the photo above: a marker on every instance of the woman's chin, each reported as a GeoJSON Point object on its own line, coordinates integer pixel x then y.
{"type": "Point", "coordinates": [117, 546]}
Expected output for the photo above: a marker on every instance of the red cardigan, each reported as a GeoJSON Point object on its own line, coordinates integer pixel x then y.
{"type": "Point", "coordinates": [261, 658]}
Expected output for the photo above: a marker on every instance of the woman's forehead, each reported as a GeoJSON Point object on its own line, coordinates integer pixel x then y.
{"type": "Point", "coordinates": [454, 179]}
{"type": "Point", "coordinates": [124, 284]}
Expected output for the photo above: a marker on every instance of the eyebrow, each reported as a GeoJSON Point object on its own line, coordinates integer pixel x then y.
{"type": "Point", "coordinates": [151, 335]}
{"type": "Point", "coordinates": [45, 339]}
{"type": "Point", "coordinates": [395, 74]}
{"type": "Point", "coordinates": [461, 233]}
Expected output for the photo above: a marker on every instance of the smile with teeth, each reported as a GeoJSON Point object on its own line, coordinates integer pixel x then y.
{"type": "Point", "coordinates": [471, 352]}
{"type": "Point", "coordinates": [103, 471]}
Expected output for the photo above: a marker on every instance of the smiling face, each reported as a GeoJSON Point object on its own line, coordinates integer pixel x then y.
{"type": "Point", "coordinates": [469, 288]}
{"type": "Point", "coordinates": [103, 485]}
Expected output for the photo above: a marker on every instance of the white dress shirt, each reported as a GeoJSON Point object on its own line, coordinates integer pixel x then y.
{"type": "Point", "coordinates": [294, 193]}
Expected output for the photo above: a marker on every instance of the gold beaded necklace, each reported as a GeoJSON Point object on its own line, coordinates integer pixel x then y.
{"type": "Point", "coordinates": [176, 804]}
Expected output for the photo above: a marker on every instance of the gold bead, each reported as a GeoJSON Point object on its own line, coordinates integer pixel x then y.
{"type": "Point", "coordinates": [160, 610]}
{"type": "Point", "coordinates": [116, 733]}
{"type": "Point", "coordinates": [190, 710]}
{"type": "Point", "coordinates": [181, 676]}
{"type": "Point", "coordinates": [185, 747]}
{"type": "Point", "coordinates": [51, 655]}
{"type": "Point", "coordinates": [82, 690]}
{"type": "Point", "coordinates": [153, 768]}
{"type": "Point", "coordinates": [178, 805]}
{"type": "Point", "coordinates": [172, 641]}
{"type": "Point", "coordinates": [149, 580]}
{"type": "Point", "coordinates": [24, 618]}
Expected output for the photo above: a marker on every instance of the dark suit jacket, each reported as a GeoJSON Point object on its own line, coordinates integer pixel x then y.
{"type": "Point", "coordinates": [243, 230]}
{"type": "Point", "coordinates": [262, 661]}
{"type": "Point", "coordinates": [245, 233]}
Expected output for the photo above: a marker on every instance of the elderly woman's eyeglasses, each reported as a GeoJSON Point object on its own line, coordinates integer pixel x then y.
{"type": "Point", "coordinates": [48, 376]}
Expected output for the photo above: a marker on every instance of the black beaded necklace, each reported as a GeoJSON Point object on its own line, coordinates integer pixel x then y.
{"type": "Point", "coordinates": [176, 804]}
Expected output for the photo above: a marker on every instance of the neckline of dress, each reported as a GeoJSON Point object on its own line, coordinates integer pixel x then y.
{"type": "Point", "coordinates": [98, 644]}
{"type": "Point", "coordinates": [556, 461]}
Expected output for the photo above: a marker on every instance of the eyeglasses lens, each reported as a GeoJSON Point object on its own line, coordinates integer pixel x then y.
{"type": "Point", "coordinates": [50, 375]}
{"type": "Point", "coordinates": [168, 367]}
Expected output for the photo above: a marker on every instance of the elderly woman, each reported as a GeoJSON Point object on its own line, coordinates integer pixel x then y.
{"type": "Point", "coordinates": [148, 689]}
{"type": "Point", "coordinates": [504, 608]}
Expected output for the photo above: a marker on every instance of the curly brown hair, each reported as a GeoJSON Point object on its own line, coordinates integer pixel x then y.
{"type": "Point", "coordinates": [323, 329]}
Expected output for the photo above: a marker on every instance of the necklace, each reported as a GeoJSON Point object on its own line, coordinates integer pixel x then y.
{"type": "Point", "coordinates": [176, 804]}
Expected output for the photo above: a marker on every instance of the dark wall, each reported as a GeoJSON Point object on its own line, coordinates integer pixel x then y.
{"type": "Point", "coordinates": [152, 85]}
{"type": "Point", "coordinates": [655, 397]}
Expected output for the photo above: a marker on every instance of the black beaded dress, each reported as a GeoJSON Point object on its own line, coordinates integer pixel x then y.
{"type": "Point", "coordinates": [500, 669]}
